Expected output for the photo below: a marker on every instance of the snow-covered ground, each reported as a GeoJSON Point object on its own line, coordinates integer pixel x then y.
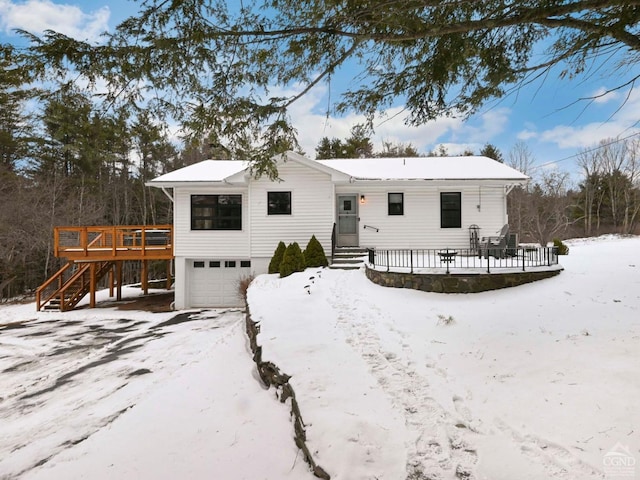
{"type": "Point", "coordinates": [534, 382]}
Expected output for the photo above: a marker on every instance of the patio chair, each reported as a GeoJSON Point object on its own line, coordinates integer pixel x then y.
{"type": "Point", "coordinates": [495, 246]}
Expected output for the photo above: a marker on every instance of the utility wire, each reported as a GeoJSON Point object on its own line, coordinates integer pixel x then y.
{"type": "Point", "coordinates": [604, 145]}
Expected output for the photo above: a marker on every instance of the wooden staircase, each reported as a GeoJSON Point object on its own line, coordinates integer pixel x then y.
{"type": "Point", "coordinates": [70, 284]}
{"type": "Point", "coordinates": [349, 258]}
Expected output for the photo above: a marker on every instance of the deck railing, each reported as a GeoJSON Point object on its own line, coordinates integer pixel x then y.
{"type": "Point", "coordinates": [113, 241]}
{"type": "Point", "coordinates": [448, 259]}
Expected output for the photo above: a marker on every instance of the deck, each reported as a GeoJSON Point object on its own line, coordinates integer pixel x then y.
{"type": "Point", "coordinates": [137, 242]}
{"type": "Point", "coordinates": [92, 253]}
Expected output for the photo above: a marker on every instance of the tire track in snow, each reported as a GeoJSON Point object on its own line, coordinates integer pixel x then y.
{"type": "Point", "coordinates": [438, 446]}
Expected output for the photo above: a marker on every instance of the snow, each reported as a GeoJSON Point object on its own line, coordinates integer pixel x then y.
{"type": "Point", "coordinates": [422, 168]}
{"type": "Point", "coordinates": [425, 168]}
{"type": "Point", "coordinates": [205, 171]}
{"type": "Point", "coordinates": [533, 382]}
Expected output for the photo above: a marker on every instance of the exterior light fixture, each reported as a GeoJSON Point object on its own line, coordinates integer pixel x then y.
{"type": "Point", "coordinates": [362, 199]}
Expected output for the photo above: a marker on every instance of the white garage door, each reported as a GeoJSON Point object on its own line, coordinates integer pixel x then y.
{"type": "Point", "coordinates": [214, 283]}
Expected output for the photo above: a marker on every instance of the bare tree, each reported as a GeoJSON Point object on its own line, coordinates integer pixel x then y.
{"type": "Point", "coordinates": [547, 208]}
{"type": "Point", "coordinates": [520, 158]}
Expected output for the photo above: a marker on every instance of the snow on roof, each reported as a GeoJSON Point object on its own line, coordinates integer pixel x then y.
{"type": "Point", "coordinates": [425, 168]}
{"type": "Point", "coordinates": [205, 171]}
{"type": "Point", "coordinates": [420, 168]}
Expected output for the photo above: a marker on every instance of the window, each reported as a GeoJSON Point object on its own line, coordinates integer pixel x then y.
{"type": "Point", "coordinates": [279, 203]}
{"type": "Point", "coordinates": [450, 210]}
{"type": "Point", "coordinates": [214, 264]}
{"type": "Point", "coordinates": [229, 264]}
{"type": "Point", "coordinates": [216, 212]}
{"type": "Point", "coordinates": [245, 263]}
{"type": "Point", "coordinates": [198, 264]}
{"type": "Point", "coordinates": [396, 204]}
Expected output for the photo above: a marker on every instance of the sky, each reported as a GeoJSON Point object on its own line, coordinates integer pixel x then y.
{"type": "Point", "coordinates": [544, 115]}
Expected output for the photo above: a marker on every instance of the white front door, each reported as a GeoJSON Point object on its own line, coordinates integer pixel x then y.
{"type": "Point", "coordinates": [348, 221]}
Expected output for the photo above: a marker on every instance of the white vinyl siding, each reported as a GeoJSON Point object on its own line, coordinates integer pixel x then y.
{"type": "Point", "coordinates": [312, 210]}
{"type": "Point", "coordinates": [209, 243]}
{"type": "Point", "coordinates": [419, 227]}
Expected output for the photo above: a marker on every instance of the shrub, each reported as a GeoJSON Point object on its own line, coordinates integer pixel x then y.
{"type": "Point", "coordinates": [314, 254]}
{"type": "Point", "coordinates": [292, 260]}
{"type": "Point", "coordinates": [562, 247]}
{"type": "Point", "coordinates": [243, 285]}
{"type": "Point", "coordinates": [276, 260]}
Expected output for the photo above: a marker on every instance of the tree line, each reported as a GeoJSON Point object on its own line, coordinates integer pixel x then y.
{"type": "Point", "coordinates": [69, 155]}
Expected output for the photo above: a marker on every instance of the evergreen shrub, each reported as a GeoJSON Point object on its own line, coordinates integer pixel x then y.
{"type": "Point", "coordinates": [292, 260]}
{"type": "Point", "coordinates": [563, 249]}
{"type": "Point", "coordinates": [314, 255]}
{"type": "Point", "coordinates": [276, 260]}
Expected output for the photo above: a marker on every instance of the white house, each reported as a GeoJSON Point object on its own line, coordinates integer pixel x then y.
{"type": "Point", "coordinates": [228, 224]}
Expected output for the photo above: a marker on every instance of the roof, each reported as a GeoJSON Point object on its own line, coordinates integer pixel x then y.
{"type": "Point", "coordinates": [425, 168]}
{"type": "Point", "coordinates": [205, 171]}
{"type": "Point", "coordinates": [381, 169]}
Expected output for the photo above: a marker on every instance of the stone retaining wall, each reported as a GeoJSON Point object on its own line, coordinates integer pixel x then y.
{"type": "Point", "coordinates": [272, 376]}
{"type": "Point", "coordinates": [457, 282]}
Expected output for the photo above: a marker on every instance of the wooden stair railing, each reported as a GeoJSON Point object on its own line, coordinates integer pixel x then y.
{"type": "Point", "coordinates": [75, 288]}
{"type": "Point", "coordinates": [51, 287]}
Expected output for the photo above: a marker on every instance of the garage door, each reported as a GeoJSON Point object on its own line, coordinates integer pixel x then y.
{"type": "Point", "coordinates": [214, 283]}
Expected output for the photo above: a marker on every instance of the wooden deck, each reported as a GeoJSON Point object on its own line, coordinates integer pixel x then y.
{"type": "Point", "coordinates": [130, 242]}
{"type": "Point", "coordinates": [92, 253]}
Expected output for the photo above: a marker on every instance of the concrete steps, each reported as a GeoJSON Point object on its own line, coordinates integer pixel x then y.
{"type": "Point", "coordinates": [349, 258]}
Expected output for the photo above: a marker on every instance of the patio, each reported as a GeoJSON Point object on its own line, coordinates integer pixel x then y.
{"type": "Point", "coordinates": [461, 270]}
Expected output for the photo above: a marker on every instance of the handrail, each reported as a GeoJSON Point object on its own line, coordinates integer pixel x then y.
{"type": "Point", "coordinates": [83, 287]}
{"type": "Point", "coordinates": [333, 241]}
{"type": "Point", "coordinates": [41, 288]}
{"type": "Point", "coordinates": [371, 227]}
{"type": "Point", "coordinates": [113, 241]}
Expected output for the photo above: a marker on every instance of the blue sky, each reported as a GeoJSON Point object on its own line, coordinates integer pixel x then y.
{"type": "Point", "coordinates": [543, 115]}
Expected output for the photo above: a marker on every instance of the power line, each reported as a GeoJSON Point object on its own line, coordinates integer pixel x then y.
{"type": "Point", "coordinates": [604, 145]}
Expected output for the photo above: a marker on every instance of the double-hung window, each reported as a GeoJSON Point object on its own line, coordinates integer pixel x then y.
{"type": "Point", "coordinates": [216, 212]}
{"type": "Point", "coordinates": [396, 203]}
{"type": "Point", "coordinates": [450, 210]}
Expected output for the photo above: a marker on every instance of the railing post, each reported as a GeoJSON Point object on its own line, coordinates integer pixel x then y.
{"type": "Point", "coordinates": [56, 241]}
{"type": "Point", "coordinates": [84, 239]}
{"type": "Point", "coordinates": [488, 261]}
{"type": "Point", "coordinates": [411, 259]}
{"type": "Point", "coordinates": [387, 260]}
{"type": "Point", "coordinates": [524, 253]}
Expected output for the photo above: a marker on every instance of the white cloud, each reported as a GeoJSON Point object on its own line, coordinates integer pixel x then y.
{"type": "Point", "coordinates": [621, 124]}
{"type": "Point", "coordinates": [36, 16]}
{"type": "Point", "coordinates": [602, 95]}
{"type": "Point", "coordinates": [390, 126]}
{"type": "Point", "coordinates": [526, 134]}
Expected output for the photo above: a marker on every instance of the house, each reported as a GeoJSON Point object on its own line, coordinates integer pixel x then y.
{"type": "Point", "coordinates": [228, 224]}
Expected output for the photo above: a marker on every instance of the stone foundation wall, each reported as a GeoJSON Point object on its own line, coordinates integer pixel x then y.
{"type": "Point", "coordinates": [456, 282]}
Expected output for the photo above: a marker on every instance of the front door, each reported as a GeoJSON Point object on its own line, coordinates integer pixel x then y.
{"type": "Point", "coordinates": [347, 221]}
